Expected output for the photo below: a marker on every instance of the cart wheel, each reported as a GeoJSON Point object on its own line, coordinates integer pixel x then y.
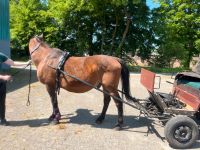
{"type": "Point", "coordinates": [181, 132]}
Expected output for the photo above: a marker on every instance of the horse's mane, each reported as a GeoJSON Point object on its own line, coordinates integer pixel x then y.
{"type": "Point", "coordinates": [44, 44]}
{"type": "Point", "coordinates": [57, 49]}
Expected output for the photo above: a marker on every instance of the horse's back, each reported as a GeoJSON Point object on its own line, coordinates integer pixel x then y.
{"type": "Point", "coordinates": [105, 61]}
{"type": "Point", "coordinates": [108, 70]}
{"type": "Point", "coordinates": [96, 61]}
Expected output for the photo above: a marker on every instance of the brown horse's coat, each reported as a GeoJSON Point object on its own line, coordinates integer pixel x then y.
{"type": "Point", "coordinates": [96, 70]}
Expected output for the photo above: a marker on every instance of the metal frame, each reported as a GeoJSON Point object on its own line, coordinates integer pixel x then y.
{"type": "Point", "coordinates": [148, 79]}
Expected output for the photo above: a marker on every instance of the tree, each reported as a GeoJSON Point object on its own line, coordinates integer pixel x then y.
{"type": "Point", "coordinates": [181, 27]}
{"type": "Point", "coordinates": [25, 21]}
{"type": "Point", "coordinates": [79, 26]}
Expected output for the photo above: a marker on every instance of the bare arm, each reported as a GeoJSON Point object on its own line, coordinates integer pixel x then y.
{"type": "Point", "coordinates": [5, 77]}
{"type": "Point", "coordinates": [10, 62]}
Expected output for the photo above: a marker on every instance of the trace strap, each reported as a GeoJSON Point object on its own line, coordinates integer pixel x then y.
{"type": "Point", "coordinates": [29, 86]}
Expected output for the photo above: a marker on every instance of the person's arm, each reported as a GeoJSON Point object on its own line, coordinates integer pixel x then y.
{"type": "Point", "coordinates": [10, 62]}
{"type": "Point", "coordinates": [5, 77]}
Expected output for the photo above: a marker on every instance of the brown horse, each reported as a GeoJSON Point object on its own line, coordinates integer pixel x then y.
{"type": "Point", "coordinates": [96, 70]}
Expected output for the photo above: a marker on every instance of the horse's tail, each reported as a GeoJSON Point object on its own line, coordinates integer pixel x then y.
{"type": "Point", "coordinates": [125, 75]}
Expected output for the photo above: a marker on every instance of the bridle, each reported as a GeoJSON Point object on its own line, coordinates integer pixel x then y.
{"type": "Point", "coordinates": [35, 48]}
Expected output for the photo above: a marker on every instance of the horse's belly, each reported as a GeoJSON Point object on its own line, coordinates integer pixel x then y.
{"type": "Point", "coordinates": [74, 85]}
{"type": "Point", "coordinates": [78, 89]}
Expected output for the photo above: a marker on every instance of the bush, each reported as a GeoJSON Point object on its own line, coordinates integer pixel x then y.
{"type": "Point", "coordinates": [137, 69]}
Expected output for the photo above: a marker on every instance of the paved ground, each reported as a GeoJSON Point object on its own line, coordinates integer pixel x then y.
{"type": "Point", "coordinates": [29, 128]}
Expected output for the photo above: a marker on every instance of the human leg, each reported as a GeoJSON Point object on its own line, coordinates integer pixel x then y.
{"type": "Point", "coordinates": [2, 102]}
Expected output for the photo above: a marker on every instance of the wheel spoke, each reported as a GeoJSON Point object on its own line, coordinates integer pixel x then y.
{"type": "Point", "coordinates": [189, 133]}
{"type": "Point", "coordinates": [177, 132]}
{"type": "Point", "coordinates": [181, 128]}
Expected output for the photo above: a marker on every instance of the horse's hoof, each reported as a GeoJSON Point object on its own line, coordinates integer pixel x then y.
{"type": "Point", "coordinates": [54, 122]}
{"type": "Point", "coordinates": [58, 116]}
{"type": "Point", "coordinates": [51, 118]}
{"type": "Point", "coordinates": [99, 120]}
{"type": "Point", "coordinates": [118, 127]}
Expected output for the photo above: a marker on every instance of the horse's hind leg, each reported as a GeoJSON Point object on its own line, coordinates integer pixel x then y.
{"type": "Point", "coordinates": [105, 107]}
{"type": "Point", "coordinates": [119, 106]}
{"type": "Point", "coordinates": [55, 117]}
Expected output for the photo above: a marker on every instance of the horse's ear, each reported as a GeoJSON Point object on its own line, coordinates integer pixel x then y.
{"type": "Point", "coordinates": [41, 37]}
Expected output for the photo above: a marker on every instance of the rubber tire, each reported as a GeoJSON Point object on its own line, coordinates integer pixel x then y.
{"type": "Point", "coordinates": [176, 122]}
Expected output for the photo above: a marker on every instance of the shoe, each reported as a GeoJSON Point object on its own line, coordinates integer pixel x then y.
{"type": "Point", "coordinates": [3, 122]}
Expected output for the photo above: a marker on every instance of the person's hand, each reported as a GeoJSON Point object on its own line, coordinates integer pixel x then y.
{"type": "Point", "coordinates": [7, 77]}
{"type": "Point", "coordinates": [29, 62]}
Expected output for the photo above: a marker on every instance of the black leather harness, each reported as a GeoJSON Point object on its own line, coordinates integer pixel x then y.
{"type": "Point", "coordinates": [64, 57]}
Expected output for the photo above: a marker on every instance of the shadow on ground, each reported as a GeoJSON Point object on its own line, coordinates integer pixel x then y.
{"type": "Point", "coordinates": [30, 123]}
{"type": "Point", "coordinates": [21, 78]}
{"type": "Point", "coordinates": [84, 117]}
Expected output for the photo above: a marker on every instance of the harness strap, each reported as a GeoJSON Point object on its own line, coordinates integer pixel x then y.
{"type": "Point", "coordinates": [64, 57]}
{"type": "Point", "coordinates": [35, 48]}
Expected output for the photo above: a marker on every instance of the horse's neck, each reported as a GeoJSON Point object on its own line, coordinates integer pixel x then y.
{"type": "Point", "coordinates": [40, 55]}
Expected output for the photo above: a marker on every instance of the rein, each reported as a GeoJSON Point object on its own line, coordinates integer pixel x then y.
{"type": "Point", "coordinates": [17, 72]}
{"type": "Point", "coordinates": [29, 86]}
{"type": "Point", "coordinates": [30, 77]}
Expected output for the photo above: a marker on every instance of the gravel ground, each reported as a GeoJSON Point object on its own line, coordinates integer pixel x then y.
{"type": "Point", "coordinates": [29, 128]}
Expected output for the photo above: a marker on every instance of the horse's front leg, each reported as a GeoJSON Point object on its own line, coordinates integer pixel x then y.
{"type": "Point", "coordinates": [55, 117]}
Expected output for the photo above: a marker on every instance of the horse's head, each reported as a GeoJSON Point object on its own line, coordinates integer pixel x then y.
{"type": "Point", "coordinates": [35, 43]}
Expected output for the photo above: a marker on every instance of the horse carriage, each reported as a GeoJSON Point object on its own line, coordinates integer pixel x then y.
{"type": "Point", "coordinates": [178, 111]}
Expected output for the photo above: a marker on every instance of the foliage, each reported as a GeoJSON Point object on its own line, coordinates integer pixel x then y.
{"type": "Point", "coordinates": [137, 69]}
{"type": "Point", "coordinates": [168, 53]}
{"type": "Point", "coordinates": [79, 26]}
{"type": "Point", "coordinates": [112, 27]}
{"type": "Point", "coordinates": [26, 19]}
{"type": "Point", "coordinates": [179, 34]}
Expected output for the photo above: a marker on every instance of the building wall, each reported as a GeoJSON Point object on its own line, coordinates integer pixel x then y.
{"type": "Point", "coordinates": [4, 27]}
